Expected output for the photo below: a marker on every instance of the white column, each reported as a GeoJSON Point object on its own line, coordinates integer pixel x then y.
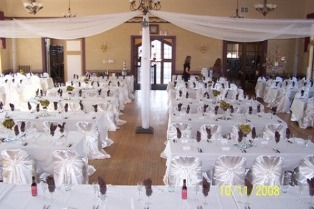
{"type": "Point", "coordinates": [14, 67]}
{"type": "Point", "coordinates": [145, 73]}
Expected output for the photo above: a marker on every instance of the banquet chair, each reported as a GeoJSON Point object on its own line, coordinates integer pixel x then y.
{"type": "Point", "coordinates": [103, 129]}
{"type": "Point", "coordinates": [93, 144]}
{"type": "Point", "coordinates": [270, 131]}
{"type": "Point", "coordinates": [266, 170]}
{"type": "Point", "coordinates": [25, 127]}
{"type": "Point", "coordinates": [69, 167]}
{"type": "Point", "coordinates": [308, 118]}
{"type": "Point", "coordinates": [207, 111]}
{"type": "Point", "coordinates": [305, 170]}
{"type": "Point", "coordinates": [59, 131]}
{"type": "Point", "coordinates": [74, 106]}
{"type": "Point", "coordinates": [18, 166]}
{"type": "Point", "coordinates": [184, 167]}
{"type": "Point", "coordinates": [229, 170]}
{"type": "Point", "coordinates": [259, 87]}
{"type": "Point", "coordinates": [283, 102]}
{"type": "Point", "coordinates": [215, 132]}
{"type": "Point", "coordinates": [112, 115]}
{"type": "Point", "coordinates": [185, 128]}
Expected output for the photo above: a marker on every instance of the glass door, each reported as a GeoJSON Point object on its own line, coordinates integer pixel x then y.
{"type": "Point", "coordinates": [162, 61]}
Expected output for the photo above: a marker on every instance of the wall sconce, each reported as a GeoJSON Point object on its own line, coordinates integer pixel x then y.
{"type": "Point", "coordinates": [103, 47]}
{"type": "Point", "coordinates": [203, 48]}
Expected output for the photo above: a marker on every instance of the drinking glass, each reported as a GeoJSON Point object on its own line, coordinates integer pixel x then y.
{"type": "Point", "coordinates": [148, 194]}
{"type": "Point", "coordinates": [300, 191]}
{"type": "Point", "coordinates": [139, 188]}
{"type": "Point", "coordinates": [43, 188]}
{"type": "Point", "coordinates": [51, 189]}
{"type": "Point", "coordinates": [196, 190]}
{"type": "Point", "coordinates": [96, 190]}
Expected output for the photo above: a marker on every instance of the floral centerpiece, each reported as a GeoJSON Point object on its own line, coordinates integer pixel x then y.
{"type": "Point", "coordinates": [44, 103]}
{"type": "Point", "coordinates": [216, 92]}
{"type": "Point", "coordinates": [22, 71]}
{"type": "Point", "coordinates": [8, 123]}
{"type": "Point", "coordinates": [245, 128]}
{"type": "Point", "coordinates": [86, 80]}
{"type": "Point", "coordinates": [69, 88]}
{"type": "Point", "coordinates": [224, 105]}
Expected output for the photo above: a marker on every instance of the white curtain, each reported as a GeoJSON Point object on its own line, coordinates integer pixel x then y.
{"type": "Point", "coordinates": [63, 28]}
{"type": "Point", "coordinates": [145, 74]}
{"type": "Point", "coordinates": [241, 30]}
{"type": "Point", "coordinates": [223, 28]}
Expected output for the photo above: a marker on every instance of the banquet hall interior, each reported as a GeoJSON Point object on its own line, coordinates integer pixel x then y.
{"type": "Point", "coordinates": [104, 80]}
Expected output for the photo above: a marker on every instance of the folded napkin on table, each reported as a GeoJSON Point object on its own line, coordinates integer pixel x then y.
{"type": "Point", "coordinates": [51, 184]}
{"type": "Point", "coordinates": [53, 127]}
{"type": "Point", "coordinates": [288, 133]}
{"type": "Point", "coordinates": [250, 110]}
{"type": "Point", "coordinates": [92, 83]}
{"type": "Point", "coordinates": [237, 97]}
{"type": "Point", "coordinates": [188, 109]}
{"type": "Point", "coordinates": [80, 92]}
{"type": "Point", "coordinates": [205, 187]}
{"type": "Point", "coordinates": [253, 133]}
{"type": "Point", "coordinates": [55, 105]}
{"type": "Point", "coordinates": [66, 107]}
{"type": "Point", "coordinates": [226, 96]}
{"type": "Point", "coordinates": [102, 185]}
{"type": "Point", "coordinates": [61, 127]}
{"type": "Point", "coordinates": [148, 186]}
{"type": "Point", "coordinates": [216, 110]}
{"type": "Point", "coordinates": [41, 93]}
{"type": "Point", "coordinates": [249, 187]}
{"type": "Point", "coordinates": [179, 133]}
{"type": "Point", "coordinates": [95, 107]}
{"type": "Point", "coordinates": [79, 84]}
{"type": "Point", "coordinates": [206, 94]}
{"type": "Point", "coordinates": [277, 136]}
{"type": "Point", "coordinates": [209, 135]}
{"type": "Point", "coordinates": [205, 85]}
{"type": "Point", "coordinates": [99, 84]}
{"type": "Point", "coordinates": [175, 84]}
{"type": "Point", "coordinates": [186, 85]}
{"type": "Point", "coordinates": [118, 83]}
{"type": "Point", "coordinates": [29, 105]}
{"type": "Point", "coordinates": [37, 107]}
{"type": "Point", "coordinates": [109, 82]}
{"type": "Point", "coordinates": [194, 84]}
{"type": "Point", "coordinates": [12, 106]}
{"type": "Point", "coordinates": [205, 107]}
{"type": "Point", "coordinates": [37, 92]}
{"type": "Point", "coordinates": [187, 95]}
{"type": "Point", "coordinates": [198, 136]}
{"type": "Point", "coordinates": [180, 93]}
{"type": "Point", "coordinates": [99, 92]}
{"type": "Point", "coordinates": [23, 124]}
{"type": "Point", "coordinates": [231, 109]}
{"type": "Point", "coordinates": [1, 105]}
{"type": "Point", "coordinates": [240, 135]}
{"type": "Point", "coordinates": [81, 105]}
{"type": "Point", "coordinates": [16, 130]}
{"type": "Point", "coordinates": [258, 108]}
{"type": "Point", "coordinates": [108, 93]}
{"type": "Point", "coordinates": [311, 186]}
{"type": "Point", "coordinates": [71, 83]}
{"type": "Point", "coordinates": [179, 106]}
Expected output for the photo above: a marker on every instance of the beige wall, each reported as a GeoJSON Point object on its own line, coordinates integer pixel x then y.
{"type": "Point", "coordinates": [188, 43]}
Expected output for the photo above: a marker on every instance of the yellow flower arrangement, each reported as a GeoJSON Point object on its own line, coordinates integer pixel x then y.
{"type": "Point", "coordinates": [44, 103]}
{"type": "Point", "coordinates": [8, 123]}
{"type": "Point", "coordinates": [224, 105]}
{"type": "Point", "coordinates": [216, 92]}
{"type": "Point", "coordinates": [69, 88]}
{"type": "Point", "coordinates": [245, 128]}
{"type": "Point", "coordinates": [22, 71]}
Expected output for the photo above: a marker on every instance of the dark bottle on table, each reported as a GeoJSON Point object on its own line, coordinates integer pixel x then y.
{"type": "Point", "coordinates": [184, 192]}
{"type": "Point", "coordinates": [34, 187]}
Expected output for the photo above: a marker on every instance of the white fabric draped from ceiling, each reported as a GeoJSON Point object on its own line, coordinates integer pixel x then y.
{"type": "Point", "coordinates": [223, 28]}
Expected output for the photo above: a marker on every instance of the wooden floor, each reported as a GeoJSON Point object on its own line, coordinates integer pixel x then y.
{"type": "Point", "coordinates": [135, 157]}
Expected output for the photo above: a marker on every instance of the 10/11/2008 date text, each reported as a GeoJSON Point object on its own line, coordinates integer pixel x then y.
{"type": "Point", "coordinates": [258, 190]}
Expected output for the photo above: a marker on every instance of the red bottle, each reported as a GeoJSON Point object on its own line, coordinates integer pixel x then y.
{"type": "Point", "coordinates": [184, 192]}
{"type": "Point", "coordinates": [34, 187]}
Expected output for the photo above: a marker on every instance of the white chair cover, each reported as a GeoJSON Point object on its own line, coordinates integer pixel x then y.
{"type": "Point", "coordinates": [260, 86]}
{"type": "Point", "coordinates": [111, 116]}
{"type": "Point", "coordinates": [185, 128]}
{"type": "Point", "coordinates": [69, 167]}
{"type": "Point", "coordinates": [189, 168]}
{"type": "Point", "coordinates": [283, 101]}
{"type": "Point", "coordinates": [229, 170]}
{"type": "Point", "coordinates": [215, 130]}
{"type": "Point", "coordinates": [267, 170]}
{"type": "Point", "coordinates": [305, 170]}
{"type": "Point", "coordinates": [57, 132]}
{"type": "Point", "coordinates": [18, 167]}
{"type": "Point", "coordinates": [308, 118]}
{"type": "Point", "coordinates": [92, 140]}
{"type": "Point", "coordinates": [270, 130]}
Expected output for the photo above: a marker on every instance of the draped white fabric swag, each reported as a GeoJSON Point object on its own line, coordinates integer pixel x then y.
{"type": "Point", "coordinates": [224, 28]}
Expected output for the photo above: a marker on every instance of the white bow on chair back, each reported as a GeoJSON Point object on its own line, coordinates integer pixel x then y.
{"type": "Point", "coordinates": [185, 128]}
{"type": "Point", "coordinates": [270, 130]}
{"type": "Point", "coordinates": [189, 168]}
{"type": "Point", "coordinates": [18, 167]}
{"type": "Point", "coordinates": [305, 170]}
{"type": "Point", "coordinates": [68, 166]}
{"type": "Point", "coordinates": [215, 131]}
{"type": "Point", "coordinates": [267, 170]}
{"type": "Point", "coordinates": [229, 170]}
{"type": "Point", "coordinates": [92, 140]}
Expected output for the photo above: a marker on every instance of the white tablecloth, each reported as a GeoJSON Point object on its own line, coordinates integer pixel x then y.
{"type": "Point", "coordinates": [41, 145]}
{"type": "Point", "coordinates": [126, 197]}
{"type": "Point", "coordinates": [291, 152]}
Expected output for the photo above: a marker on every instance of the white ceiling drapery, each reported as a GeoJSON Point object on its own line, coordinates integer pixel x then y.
{"type": "Point", "coordinates": [223, 28]}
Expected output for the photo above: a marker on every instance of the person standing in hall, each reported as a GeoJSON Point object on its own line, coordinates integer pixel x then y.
{"type": "Point", "coordinates": [217, 69]}
{"type": "Point", "coordinates": [186, 68]}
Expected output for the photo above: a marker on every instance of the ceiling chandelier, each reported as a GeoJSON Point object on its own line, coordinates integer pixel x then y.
{"type": "Point", "coordinates": [265, 8]}
{"type": "Point", "coordinates": [237, 12]}
{"type": "Point", "coordinates": [145, 5]}
{"type": "Point", "coordinates": [32, 6]}
{"type": "Point", "coordinates": [69, 13]}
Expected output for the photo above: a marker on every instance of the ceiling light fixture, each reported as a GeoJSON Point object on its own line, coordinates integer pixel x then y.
{"type": "Point", "coordinates": [237, 12]}
{"type": "Point", "coordinates": [69, 14]}
{"type": "Point", "coordinates": [265, 8]}
{"type": "Point", "coordinates": [145, 5]}
{"type": "Point", "coordinates": [32, 6]}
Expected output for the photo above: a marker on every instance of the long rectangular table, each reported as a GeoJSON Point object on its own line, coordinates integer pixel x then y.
{"type": "Point", "coordinates": [126, 197]}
